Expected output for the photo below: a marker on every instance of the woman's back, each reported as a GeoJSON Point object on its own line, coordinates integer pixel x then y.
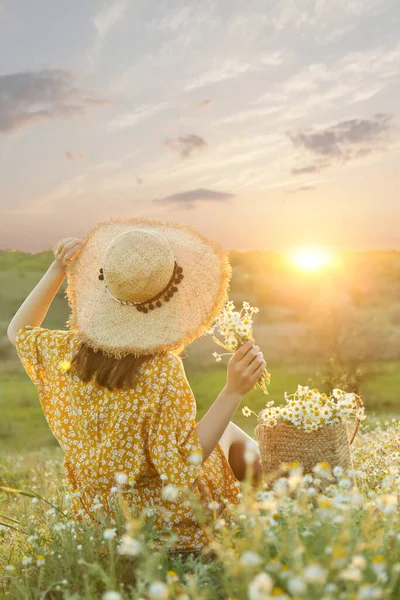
{"type": "Point", "coordinates": [144, 435]}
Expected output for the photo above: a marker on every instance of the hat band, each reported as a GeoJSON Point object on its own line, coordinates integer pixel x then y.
{"type": "Point", "coordinates": [155, 302]}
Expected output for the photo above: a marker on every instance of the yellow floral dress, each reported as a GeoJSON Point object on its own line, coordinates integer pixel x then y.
{"type": "Point", "coordinates": [146, 434]}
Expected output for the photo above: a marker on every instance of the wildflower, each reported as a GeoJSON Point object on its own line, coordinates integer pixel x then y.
{"type": "Point", "coordinates": [260, 587]}
{"type": "Point", "coordinates": [279, 594]}
{"type": "Point", "coordinates": [97, 505]}
{"type": "Point", "coordinates": [163, 477]}
{"type": "Point", "coordinates": [218, 357]}
{"type": "Point", "coordinates": [250, 454]}
{"type": "Point", "coordinates": [246, 411]}
{"type": "Point", "coordinates": [121, 478]}
{"type": "Point", "coordinates": [158, 591]}
{"type": "Point", "coordinates": [315, 574]}
{"type": "Point", "coordinates": [9, 568]}
{"type": "Point", "coordinates": [213, 505]}
{"type": "Point", "coordinates": [196, 458]}
{"type": "Point", "coordinates": [302, 390]}
{"type": "Point", "coordinates": [379, 565]}
{"type": "Point", "coordinates": [114, 490]}
{"type": "Point", "coordinates": [369, 592]}
{"type": "Point", "coordinates": [40, 560]}
{"type": "Point", "coordinates": [220, 524]}
{"type": "Point", "coordinates": [359, 562]}
{"type": "Point", "coordinates": [26, 560]}
{"type": "Point", "coordinates": [388, 504]}
{"type": "Point", "coordinates": [243, 330]}
{"type": "Point", "coordinates": [250, 559]}
{"type": "Point", "coordinates": [171, 576]}
{"type": "Point", "coordinates": [65, 365]}
{"type": "Point", "coordinates": [112, 596]}
{"type": "Point", "coordinates": [280, 486]}
{"type": "Point", "coordinates": [338, 471]}
{"type": "Point", "coordinates": [224, 330]}
{"type": "Point", "coordinates": [345, 483]}
{"type": "Point", "coordinates": [351, 574]}
{"type": "Point", "coordinates": [322, 470]}
{"type": "Point", "coordinates": [231, 343]}
{"type": "Point", "coordinates": [109, 534]}
{"type": "Point", "coordinates": [357, 499]}
{"type": "Point", "coordinates": [129, 546]}
{"type": "Point", "coordinates": [170, 493]}
{"type": "Point", "coordinates": [32, 538]}
{"type": "Point", "coordinates": [296, 586]}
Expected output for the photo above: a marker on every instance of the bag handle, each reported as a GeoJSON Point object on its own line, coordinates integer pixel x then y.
{"type": "Point", "coordinates": [357, 422]}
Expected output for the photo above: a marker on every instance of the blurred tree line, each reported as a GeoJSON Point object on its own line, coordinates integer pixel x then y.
{"type": "Point", "coordinates": [370, 279]}
{"type": "Point", "coordinates": [347, 314]}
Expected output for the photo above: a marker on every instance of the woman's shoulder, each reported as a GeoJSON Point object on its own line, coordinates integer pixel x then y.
{"type": "Point", "coordinates": [167, 361]}
{"type": "Point", "coordinates": [165, 368]}
{"type": "Point", "coordinates": [42, 339]}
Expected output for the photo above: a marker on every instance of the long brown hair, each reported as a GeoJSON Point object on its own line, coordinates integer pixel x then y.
{"type": "Point", "coordinates": [112, 373]}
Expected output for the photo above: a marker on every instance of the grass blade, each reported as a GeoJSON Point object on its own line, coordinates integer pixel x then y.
{"type": "Point", "coordinates": [12, 527]}
{"type": "Point", "coordinates": [30, 494]}
{"type": "Point", "coordinates": [10, 519]}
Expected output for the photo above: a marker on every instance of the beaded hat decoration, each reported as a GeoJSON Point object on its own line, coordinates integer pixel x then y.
{"type": "Point", "coordinates": [142, 287]}
{"type": "Point", "coordinates": [152, 303]}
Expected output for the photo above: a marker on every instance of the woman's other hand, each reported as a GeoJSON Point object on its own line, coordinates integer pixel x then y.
{"type": "Point", "coordinates": [245, 369]}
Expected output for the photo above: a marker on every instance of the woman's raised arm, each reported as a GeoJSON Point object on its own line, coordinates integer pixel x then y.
{"type": "Point", "coordinates": [35, 308]}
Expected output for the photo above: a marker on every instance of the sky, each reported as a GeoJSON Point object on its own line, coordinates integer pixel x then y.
{"type": "Point", "coordinates": [263, 124]}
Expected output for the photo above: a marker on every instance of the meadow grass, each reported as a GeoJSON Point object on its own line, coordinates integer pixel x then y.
{"type": "Point", "coordinates": [305, 537]}
{"type": "Point", "coordinates": [325, 536]}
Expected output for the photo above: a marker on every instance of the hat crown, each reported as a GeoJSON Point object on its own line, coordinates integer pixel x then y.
{"type": "Point", "coordinates": [138, 265]}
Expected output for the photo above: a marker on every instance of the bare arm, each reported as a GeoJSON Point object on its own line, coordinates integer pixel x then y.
{"type": "Point", "coordinates": [34, 310]}
{"type": "Point", "coordinates": [244, 370]}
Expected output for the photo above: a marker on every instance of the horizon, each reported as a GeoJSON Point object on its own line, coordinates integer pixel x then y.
{"type": "Point", "coordinates": [284, 252]}
{"type": "Point", "coordinates": [281, 130]}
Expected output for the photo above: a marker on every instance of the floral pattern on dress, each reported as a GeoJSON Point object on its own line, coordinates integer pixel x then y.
{"type": "Point", "coordinates": [146, 432]}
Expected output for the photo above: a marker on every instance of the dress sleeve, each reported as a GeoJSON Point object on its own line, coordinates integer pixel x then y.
{"type": "Point", "coordinates": [174, 446]}
{"type": "Point", "coordinates": [41, 351]}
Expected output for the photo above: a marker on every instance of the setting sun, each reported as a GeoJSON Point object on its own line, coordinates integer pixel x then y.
{"type": "Point", "coordinates": [311, 259]}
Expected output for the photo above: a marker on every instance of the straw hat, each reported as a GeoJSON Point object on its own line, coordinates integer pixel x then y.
{"type": "Point", "coordinates": [144, 287]}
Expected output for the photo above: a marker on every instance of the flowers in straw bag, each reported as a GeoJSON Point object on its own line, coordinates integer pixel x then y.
{"type": "Point", "coordinates": [310, 410]}
{"type": "Point", "coordinates": [235, 328]}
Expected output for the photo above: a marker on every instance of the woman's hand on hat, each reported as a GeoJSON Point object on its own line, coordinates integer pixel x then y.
{"type": "Point", "coordinates": [65, 251]}
{"type": "Point", "coordinates": [245, 369]}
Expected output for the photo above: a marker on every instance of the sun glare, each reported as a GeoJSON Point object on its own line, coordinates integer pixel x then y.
{"type": "Point", "coordinates": [311, 259]}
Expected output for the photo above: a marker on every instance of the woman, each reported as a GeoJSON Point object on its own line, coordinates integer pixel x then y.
{"type": "Point", "coordinates": [113, 387]}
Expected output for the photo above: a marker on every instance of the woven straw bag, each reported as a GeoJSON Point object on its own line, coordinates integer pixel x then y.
{"type": "Point", "coordinates": [286, 444]}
